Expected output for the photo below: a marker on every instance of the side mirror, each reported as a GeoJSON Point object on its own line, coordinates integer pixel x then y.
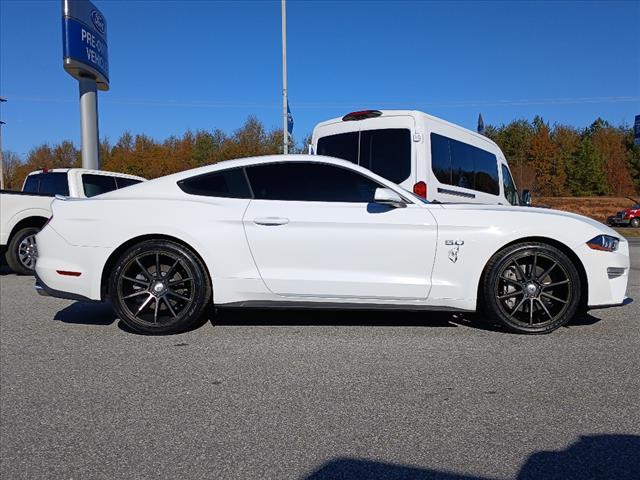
{"type": "Point", "coordinates": [386, 196]}
{"type": "Point", "coordinates": [526, 197]}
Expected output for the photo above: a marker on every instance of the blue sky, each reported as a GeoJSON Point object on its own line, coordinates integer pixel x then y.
{"type": "Point", "coordinates": [203, 65]}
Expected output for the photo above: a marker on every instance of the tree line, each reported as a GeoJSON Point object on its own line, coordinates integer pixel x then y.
{"type": "Point", "coordinates": [556, 160]}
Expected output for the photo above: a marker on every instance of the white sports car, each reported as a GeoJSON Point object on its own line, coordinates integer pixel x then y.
{"type": "Point", "coordinates": [313, 231]}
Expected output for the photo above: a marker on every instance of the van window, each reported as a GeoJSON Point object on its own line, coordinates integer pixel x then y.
{"type": "Point", "coordinates": [126, 182]}
{"type": "Point", "coordinates": [386, 152]}
{"type": "Point", "coordinates": [463, 165]}
{"type": "Point", "coordinates": [342, 145]}
{"type": "Point", "coordinates": [510, 191]}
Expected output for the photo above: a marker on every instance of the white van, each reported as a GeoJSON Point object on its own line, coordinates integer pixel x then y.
{"type": "Point", "coordinates": [435, 159]}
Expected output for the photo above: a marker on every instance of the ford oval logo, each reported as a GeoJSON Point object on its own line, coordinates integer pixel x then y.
{"type": "Point", "coordinates": [98, 20]}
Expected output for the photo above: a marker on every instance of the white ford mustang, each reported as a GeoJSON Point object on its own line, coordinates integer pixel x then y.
{"type": "Point", "coordinates": [312, 231]}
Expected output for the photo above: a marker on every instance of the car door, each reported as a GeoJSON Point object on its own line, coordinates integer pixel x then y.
{"type": "Point", "coordinates": [314, 230]}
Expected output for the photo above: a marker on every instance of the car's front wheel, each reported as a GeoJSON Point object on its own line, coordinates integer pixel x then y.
{"type": "Point", "coordinates": [635, 222]}
{"type": "Point", "coordinates": [531, 288]}
{"type": "Point", "coordinates": [160, 287]}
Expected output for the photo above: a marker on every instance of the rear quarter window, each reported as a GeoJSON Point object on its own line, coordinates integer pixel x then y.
{"type": "Point", "coordinates": [227, 183]}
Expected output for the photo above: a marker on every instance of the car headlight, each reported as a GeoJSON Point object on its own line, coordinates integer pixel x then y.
{"type": "Point", "coordinates": [606, 243]}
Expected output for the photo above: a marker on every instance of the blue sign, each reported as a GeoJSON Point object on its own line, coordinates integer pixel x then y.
{"type": "Point", "coordinates": [636, 130]}
{"type": "Point", "coordinates": [84, 42]}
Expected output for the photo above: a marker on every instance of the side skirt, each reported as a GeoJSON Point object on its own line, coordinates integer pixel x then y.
{"type": "Point", "coordinates": [283, 304]}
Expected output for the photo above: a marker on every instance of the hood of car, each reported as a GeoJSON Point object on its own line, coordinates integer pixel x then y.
{"type": "Point", "coordinates": [526, 211]}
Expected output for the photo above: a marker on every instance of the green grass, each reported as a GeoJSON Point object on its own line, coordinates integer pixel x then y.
{"type": "Point", "coordinates": [628, 232]}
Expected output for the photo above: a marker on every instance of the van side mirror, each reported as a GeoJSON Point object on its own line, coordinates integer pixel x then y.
{"type": "Point", "coordinates": [386, 196]}
{"type": "Point", "coordinates": [526, 197]}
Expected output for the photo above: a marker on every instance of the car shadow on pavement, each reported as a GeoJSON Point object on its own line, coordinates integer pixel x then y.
{"type": "Point", "coordinates": [87, 313]}
{"type": "Point", "coordinates": [590, 457]}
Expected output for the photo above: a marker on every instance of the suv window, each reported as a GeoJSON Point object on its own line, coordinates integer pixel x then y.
{"type": "Point", "coordinates": [310, 182]}
{"type": "Point", "coordinates": [97, 184]}
{"type": "Point", "coordinates": [463, 165]}
{"type": "Point", "coordinates": [227, 183]}
{"type": "Point", "coordinates": [510, 191]}
{"type": "Point", "coordinates": [50, 183]}
{"type": "Point", "coordinates": [386, 152]}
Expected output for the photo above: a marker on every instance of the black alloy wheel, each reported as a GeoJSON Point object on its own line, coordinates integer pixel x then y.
{"type": "Point", "coordinates": [532, 288]}
{"type": "Point", "coordinates": [159, 286]}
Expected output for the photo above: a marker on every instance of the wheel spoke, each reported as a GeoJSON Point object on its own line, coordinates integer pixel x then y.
{"type": "Point", "coordinates": [135, 280]}
{"type": "Point", "coordinates": [555, 284]}
{"type": "Point", "coordinates": [177, 295]}
{"type": "Point", "coordinates": [143, 269]}
{"type": "Point", "coordinates": [144, 304]}
{"type": "Point", "coordinates": [182, 280]}
{"type": "Point", "coordinates": [155, 311]}
{"type": "Point", "coordinates": [545, 308]}
{"type": "Point", "coordinates": [535, 264]}
{"type": "Point", "coordinates": [158, 270]}
{"type": "Point", "coordinates": [531, 312]}
{"type": "Point", "coordinates": [548, 295]}
{"type": "Point", "coordinates": [510, 280]}
{"type": "Point", "coordinates": [168, 303]}
{"type": "Point", "coordinates": [511, 294]}
{"type": "Point", "coordinates": [547, 271]}
{"type": "Point", "coordinates": [514, 310]}
{"type": "Point", "coordinates": [136, 294]}
{"type": "Point", "coordinates": [172, 269]}
{"type": "Point", "coordinates": [519, 270]}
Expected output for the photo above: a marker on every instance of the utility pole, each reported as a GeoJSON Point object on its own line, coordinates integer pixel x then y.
{"type": "Point", "coordinates": [2, 100]}
{"type": "Point", "coordinates": [285, 130]}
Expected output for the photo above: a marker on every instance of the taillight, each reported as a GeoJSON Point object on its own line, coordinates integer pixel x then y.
{"type": "Point", "coordinates": [420, 189]}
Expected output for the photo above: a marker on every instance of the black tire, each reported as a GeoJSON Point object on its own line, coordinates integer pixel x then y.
{"type": "Point", "coordinates": [173, 301]}
{"type": "Point", "coordinates": [21, 251]}
{"type": "Point", "coordinates": [635, 222]}
{"type": "Point", "coordinates": [531, 288]}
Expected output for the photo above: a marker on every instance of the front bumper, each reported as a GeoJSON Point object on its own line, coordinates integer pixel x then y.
{"type": "Point", "coordinates": [617, 221]}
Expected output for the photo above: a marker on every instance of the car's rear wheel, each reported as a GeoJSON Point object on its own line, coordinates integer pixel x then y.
{"type": "Point", "coordinates": [160, 287]}
{"type": "Point", "coordinates": [635, 222]}
{"type": "Point", "coordinates": [22, 252]}
{"type": "Point", "coordinates": [531, 288]}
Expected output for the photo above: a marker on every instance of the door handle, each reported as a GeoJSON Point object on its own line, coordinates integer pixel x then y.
{"type": "Point", "coordinates": [271, 221]}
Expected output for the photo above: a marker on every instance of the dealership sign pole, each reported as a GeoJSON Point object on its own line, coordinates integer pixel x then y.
{"type": "Point", "coordinates": [85, 58]}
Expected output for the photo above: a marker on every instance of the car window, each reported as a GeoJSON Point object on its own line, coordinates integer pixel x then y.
{"type": "Point", "coordinates": [510, 191]}
{"type": "Point", "coordinates": [122, 182]}
{"type": "Point", "coordinates": [311, 182]}
{"type": "Point", "coordinates": [386, 151]}
{"type": "Point", "coordinates": [227, 183]}
{"type": "Point", "coordinates": [97, 184]}
{"type": "Point", "coordinates": [462, 165]}
{"type": "Point", "coordinates": [53, 183]}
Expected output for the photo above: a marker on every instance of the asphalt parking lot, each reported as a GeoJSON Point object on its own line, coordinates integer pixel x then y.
{"type": "Point", "coordinates": [324, 395]}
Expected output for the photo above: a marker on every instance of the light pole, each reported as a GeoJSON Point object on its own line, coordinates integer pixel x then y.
{"type": "Point", "coordinates": [2, 100]}
{"type": "Point", "coordinates": [285, 129]}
